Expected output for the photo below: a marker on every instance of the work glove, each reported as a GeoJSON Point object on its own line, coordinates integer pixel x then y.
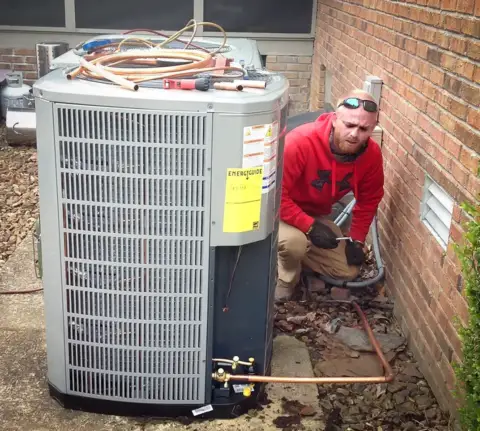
{"type": "Point", "coordinates": [322, 236]}
{"type": "Point", "coordinates": [354, 252]}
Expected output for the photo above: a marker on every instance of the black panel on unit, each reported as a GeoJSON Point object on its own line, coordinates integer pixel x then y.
{"type": "Point", "coordinates": [265, 16]}
{"type": "Point", "coordinates": [33, 13]}
{"type": "Point", "coordinates": [114, 14]}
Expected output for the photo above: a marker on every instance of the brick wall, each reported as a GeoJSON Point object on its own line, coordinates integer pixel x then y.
{"type": "Point", "coordinates": [23, 60]}
{"type": "Point", "coordinates": [298, 70]}
{"type": "Point", "coordinates": [428, 58]}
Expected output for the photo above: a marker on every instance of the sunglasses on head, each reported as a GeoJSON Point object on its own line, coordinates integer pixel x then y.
{"type": "Point", "coordinates": [354, 103]}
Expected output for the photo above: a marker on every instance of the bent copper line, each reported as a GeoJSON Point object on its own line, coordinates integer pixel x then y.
{"type": "Point", "coordinates": [388, 377]}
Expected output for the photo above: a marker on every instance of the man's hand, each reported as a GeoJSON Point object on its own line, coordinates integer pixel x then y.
{"type": "Point", "coordinates": [354, 252]}
{"type": "Point", "coordinates": [322, 236]}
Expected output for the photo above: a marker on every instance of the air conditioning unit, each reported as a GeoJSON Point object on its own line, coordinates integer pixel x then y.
{"type": "Point", "coordinates": [159, 219]}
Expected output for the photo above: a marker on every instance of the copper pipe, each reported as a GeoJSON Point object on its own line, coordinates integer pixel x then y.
{"type": "Point", "coordinates": [198, 60]}
{"type": "Point", "coordinates": [251, 83]}
{"type": "Point", "coordinates": [20, 292]}
{"type": "Point", "coordinates": [388, 377]}
{"type": "Point", "coordinates": [229, 361]}
{"type": "Point", "coordinates": [227, 86]}
{"type": "Point", "coordinates": [107, 75]}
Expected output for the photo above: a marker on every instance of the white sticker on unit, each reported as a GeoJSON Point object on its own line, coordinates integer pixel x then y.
{"type": "Point", "coordinates": [260, 148]}
{"type": "Point", "coordinates": [202, 410]}
{"type": "Point", "coordinates": [239, 388]}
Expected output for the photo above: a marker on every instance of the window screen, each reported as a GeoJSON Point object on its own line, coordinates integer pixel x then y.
{"type": "Point", "coordinates": [33, 13]}
{"type": "Point", "coordinates": [260, 16]}
{"type": "Point", "coordinates": [126, 15]}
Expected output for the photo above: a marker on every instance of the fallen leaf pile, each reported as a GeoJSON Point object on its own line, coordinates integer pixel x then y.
{"type": "Point", "coordinates": [18, 197]}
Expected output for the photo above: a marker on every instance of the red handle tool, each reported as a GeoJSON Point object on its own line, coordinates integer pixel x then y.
{"type": "Point", "coordinates": [201, 84]}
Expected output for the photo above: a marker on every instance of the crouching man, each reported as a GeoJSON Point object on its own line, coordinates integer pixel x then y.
{"type": "Point", "coordinates": [323, 161]}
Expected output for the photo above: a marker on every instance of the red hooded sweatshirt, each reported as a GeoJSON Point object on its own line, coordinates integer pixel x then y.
{"type": "Point", "coordinates": [313, 180]}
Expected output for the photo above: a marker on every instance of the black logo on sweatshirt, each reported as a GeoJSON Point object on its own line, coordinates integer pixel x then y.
{"type": "Point", "coordinates": [325, 177]}
{"type": "Point", "coordinates": [344, 184]}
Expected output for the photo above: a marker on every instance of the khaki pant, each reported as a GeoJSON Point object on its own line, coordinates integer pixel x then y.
{"type": "Point", "coordinates": [295, 251]}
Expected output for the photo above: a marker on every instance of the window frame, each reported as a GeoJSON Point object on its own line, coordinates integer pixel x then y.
{"type": "Point", "coordinates": [70, 26]}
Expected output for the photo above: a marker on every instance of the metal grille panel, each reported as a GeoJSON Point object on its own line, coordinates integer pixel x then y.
{"type": "Point", "coordinates": [134, 202]}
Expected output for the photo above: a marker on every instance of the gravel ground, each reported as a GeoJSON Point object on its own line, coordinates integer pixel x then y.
{"type": "Point", "coordinates": [18, 195]}
{"type": "Point", "coordinates": [339, 347]}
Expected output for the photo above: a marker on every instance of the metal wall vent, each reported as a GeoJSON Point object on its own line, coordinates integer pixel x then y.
{"type": "Point", "coordinates": [437, 211]}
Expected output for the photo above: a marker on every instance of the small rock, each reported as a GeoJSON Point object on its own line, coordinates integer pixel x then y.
{"type": "Point", "coordinates": [412, 370]}
{"type": "Point", "coordinates": [409, 426]}
{"type": "Point", "coordinates": [431, 413]}
{"type": "Point", "coordinates": [387, 403]}
{"type": "Point", "coordinates": [365, 366]}
{"type": "Point", "coordinates": [424, 390]}
{"type": "Point", "coordinates": [296, 319]}
{"type": "Point", "coordinates": [354, 354]}
{"type": "Point", "coordinates": [407, 407]}
{"type": "Point", "coordinates": [354, 410]}
{"type": "Point", "coordinates": [365, 409]}
{"type": "Point", "coordinates": [401, 397]}
{"type": "Point", "coordinates": [396, 386]}
{"type": "Point", "coordinates": [340, 294]}
{"type": "Point", "coordinates": [407, 379]}
{"type": "Point", "coordinates": [283, 325]}
{"type": "Point", "coordinates": [302, 331]}
{"type": "Point", "coordinates": [390, 356]}
{"type": "Point", "coordinates": [343, 392]}
{"type": "Point", "coordinates": [357, 339]}
{"type": "Point", "coordinates": [286, 421]}
{"type": "Point", "coordinates": [307, 411]}
{"type": "Point", "coordinates": [326, 404]}
{"type": "Point", "coordinates": [359, 388]}
{"type": "Point", "coordinates": [423, 402]}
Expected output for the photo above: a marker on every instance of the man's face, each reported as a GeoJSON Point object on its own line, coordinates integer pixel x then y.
{"type": "Point", "coordinates": [352, 128]}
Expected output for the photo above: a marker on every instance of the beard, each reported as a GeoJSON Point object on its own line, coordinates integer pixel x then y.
{"type": "Point", "coordinates": [347, 147]}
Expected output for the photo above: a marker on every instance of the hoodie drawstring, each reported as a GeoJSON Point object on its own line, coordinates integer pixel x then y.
{"type": "Point", "coordinates": [334, 177]}
{"type": "Point", "coordinates": [355, 184]}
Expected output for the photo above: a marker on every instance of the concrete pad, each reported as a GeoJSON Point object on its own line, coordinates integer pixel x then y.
{"type": "Point", "coordinates": [27, 405]}
{"type": "Point", "coordinates": [290, 358]}
{"type": "Point", "coordinates": [18, 274]}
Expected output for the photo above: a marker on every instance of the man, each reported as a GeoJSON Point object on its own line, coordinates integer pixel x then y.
{"type": "Point", "coordinates": [323, 161]}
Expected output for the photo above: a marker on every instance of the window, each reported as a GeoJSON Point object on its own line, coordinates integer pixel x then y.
{"type": "Point", "coordinates": [121, 14]}
{"type": "Point", "coordinates": [436, 211]}
{"type": "Point", "coordinates": [33, 13]}
{"type": "Point", "coordinates": [265, 18]}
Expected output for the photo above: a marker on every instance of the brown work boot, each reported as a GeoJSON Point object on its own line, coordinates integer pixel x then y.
{"type": "Point", "coordinates": [283, 291]}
